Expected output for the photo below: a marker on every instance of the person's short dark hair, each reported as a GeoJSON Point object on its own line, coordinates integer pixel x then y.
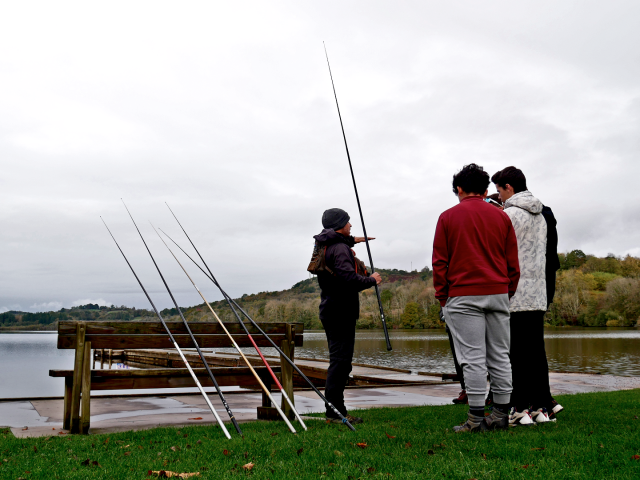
{"type": "Point", "coordinates": [471, 179]}
{"type": "Point", "coordinates": [511, 176]}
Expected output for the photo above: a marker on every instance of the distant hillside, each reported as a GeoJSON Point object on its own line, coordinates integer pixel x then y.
{"type": "Point", "coordinates": [299, 303]}
{"type": "Point", "coordinates": [590, 291]}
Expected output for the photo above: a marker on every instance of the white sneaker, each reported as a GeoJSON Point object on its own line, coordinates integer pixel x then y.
{"type": "Point", "coordinates": [520, 418]}
{"type": "Point", "coordinates": [541, 416]}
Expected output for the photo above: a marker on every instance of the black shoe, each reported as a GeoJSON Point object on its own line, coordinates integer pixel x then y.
{"type": "Point", "coordinates": [554, 409]}
{"type": "Point", "coordinates": [462, 398]}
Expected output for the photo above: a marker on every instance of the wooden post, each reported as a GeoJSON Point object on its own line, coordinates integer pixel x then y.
{"type": "Point", "coordinates": [76, 389]}
{"type": "Point", "coordinates": [288, 348]}
{"type": "Point", "coordinates": [110, 357]}
{"type": "Point", "coordinates": [86, 389]}
{"type": "Point", "coordinates": [101, 358]}
{"type": "Point", "coordinates": [66, 415]}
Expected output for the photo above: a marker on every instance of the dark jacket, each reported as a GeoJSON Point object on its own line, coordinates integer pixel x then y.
{"type": "Point", "coordinates": [553, 262]}
{"type": "Point", "coordinates": [339, 292]}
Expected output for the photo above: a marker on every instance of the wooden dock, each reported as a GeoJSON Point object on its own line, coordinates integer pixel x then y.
{"type": "Point", "coordinates": [315, 369]}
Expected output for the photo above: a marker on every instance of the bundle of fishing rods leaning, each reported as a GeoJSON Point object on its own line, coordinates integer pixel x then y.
{"type": "Point", "coordinates": [237, 311]}
{"type": "Point", "coordinates": [235, 308]}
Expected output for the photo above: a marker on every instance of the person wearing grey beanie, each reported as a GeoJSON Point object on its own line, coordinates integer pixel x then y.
{"type": "Point", "coordinates": [339, 304]}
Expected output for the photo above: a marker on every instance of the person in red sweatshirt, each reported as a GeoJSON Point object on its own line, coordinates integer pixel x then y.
{"type": "Point", "coordinates": [475, 273]}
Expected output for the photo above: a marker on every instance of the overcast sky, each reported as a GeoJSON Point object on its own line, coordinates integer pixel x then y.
{"type": "Point", "coordinates": [225, 111]}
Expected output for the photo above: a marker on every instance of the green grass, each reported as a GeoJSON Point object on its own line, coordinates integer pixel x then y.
{"type": "Point", "coordinates": [596, 437]}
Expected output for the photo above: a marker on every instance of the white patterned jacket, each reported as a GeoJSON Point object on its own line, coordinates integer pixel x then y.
{"type": "Point", "coordinates": [531, 231]}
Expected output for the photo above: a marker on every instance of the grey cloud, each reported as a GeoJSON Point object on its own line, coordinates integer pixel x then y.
{"type": "Point", "coordinates": [226, 112]}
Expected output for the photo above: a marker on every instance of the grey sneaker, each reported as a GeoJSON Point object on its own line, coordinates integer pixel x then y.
{"type": "Point", "coordinates": [473, 424]}
{"type": "Point", "coordinates": [497, 420]}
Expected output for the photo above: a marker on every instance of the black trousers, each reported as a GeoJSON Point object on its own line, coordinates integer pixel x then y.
{"type": "Point", "coordinates": [529, 361]}
{"type": "Point", "coordinates": [455, 359]}
{"type": "Point", "coordinates": [341, 337]}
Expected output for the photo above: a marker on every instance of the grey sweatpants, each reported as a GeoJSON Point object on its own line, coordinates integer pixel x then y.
{"type": "Point", "coordinates": [479, 325]}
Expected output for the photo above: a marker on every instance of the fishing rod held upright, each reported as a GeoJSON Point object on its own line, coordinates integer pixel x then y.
{"type": "Point", "coordinates": [186, 324]}
{"type": "Point", "coordinates": [175, 344]}
{"type": "Point", "coordinates": [364, 229]}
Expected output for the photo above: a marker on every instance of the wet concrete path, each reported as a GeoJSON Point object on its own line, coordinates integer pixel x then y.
{"type": "Point", "coordinates": [29, 418]}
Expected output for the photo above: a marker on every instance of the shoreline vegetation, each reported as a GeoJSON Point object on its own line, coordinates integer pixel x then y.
{"type": "Point", "coordinates": [404, 442]}
{"type": "Point", "coordinates": [590, 292]}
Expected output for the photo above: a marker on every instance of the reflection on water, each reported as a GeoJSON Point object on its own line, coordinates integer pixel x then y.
{"type": "Point", "coordinates": [27, 357]}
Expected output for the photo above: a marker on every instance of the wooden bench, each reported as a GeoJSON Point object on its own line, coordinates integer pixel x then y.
{"type": "Point", "coordinates": [84, 336]}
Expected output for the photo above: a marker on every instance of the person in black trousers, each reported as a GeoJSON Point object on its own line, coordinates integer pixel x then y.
{"type": "Point", "coordinates": [344, 278]}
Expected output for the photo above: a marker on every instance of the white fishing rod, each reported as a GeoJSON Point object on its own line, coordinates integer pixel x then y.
{"type": "Point", "coordinates": [175, 344]}
{"type": "Point", "coordinates": [233, 342]}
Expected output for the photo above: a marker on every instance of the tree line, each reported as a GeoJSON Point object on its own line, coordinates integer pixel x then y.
{"type": "Point", "coordinates": [590, 291]}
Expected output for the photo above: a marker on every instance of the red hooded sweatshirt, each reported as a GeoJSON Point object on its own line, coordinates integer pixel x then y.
{"type": "Point", "coordinates": [475, 251]}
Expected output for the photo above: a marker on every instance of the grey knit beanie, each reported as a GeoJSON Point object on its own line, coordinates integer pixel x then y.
{"type": "Point", "coordinates": [334, 218]}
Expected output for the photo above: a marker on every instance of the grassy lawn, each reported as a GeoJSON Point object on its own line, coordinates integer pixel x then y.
{"type": "Point", "coordinates": [596, 437]}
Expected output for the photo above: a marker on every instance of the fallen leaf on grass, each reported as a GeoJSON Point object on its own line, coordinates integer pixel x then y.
{"type": "Point", "coordinates": [199, 442]}
{"type": "Point", "coordinates": [248, 466]}
{"type": "Point", "coordinates": [393, 426]}
{"type": "Point", "coordinates": [430, 452]}
{"type": "Point", "coordinates": [35, 449]}
{"type": "Point", "coordinates": [371, 469]}
{"type": "Point", "coordinates": [176, 449]}
{"type": "Point", "coordinates": [601, 446]}
{"type": "Point", "coordinates": [635, 457]}
{"type": "Point", "coordinates": [407, 445]}
{"type": "Point", "coordinates": [389, 436]}
{"type": "Point", "coordinates": [527, 466]}
{"type": "Point", "coordinates": [127, 453]}
{"type": "Point", "coordinates": [62, 433]}
{"type": "Point", "coordinates": [170, 474]}
{"type": "Point", "coordinates": [362, 445]}
{"type": "Point", "coordinates": [484, 456]}
{"type": "Point", "coordinates": [274, 434]}
{"type": "Point", "coordinates": [196, 418]}
{"type": "Point", "coordinates": [90, 463]}
{"type": "Point", "coordinates": [225, 452]}
{"type": "Point", "coordinates": [539, 448]}
{"type": "Point", "coordinates": [300, 451]}
{"type": "Point", "coordinates": [338, 453]}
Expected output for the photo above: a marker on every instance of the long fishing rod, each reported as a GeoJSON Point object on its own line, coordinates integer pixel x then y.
{"type": "Point", "coordinates": [193, 375]}
{"type": "Point", "coordinates": [211, 277]}
{"type": "Point", "coordinates": [186, 324]}
{"type": "Point", "coordinates": [264, 360]}
{"type": "Point", "coordinates": [364, 230]}
{"type": "Point", "coordinates": [235, 345]}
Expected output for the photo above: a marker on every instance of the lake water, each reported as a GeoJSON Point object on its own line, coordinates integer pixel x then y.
{"type": "Point", "coordinates": [25, 358]}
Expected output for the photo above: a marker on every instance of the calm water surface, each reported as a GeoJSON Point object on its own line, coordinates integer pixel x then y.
{"type": "Point", "coordinates": [26, 358]}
